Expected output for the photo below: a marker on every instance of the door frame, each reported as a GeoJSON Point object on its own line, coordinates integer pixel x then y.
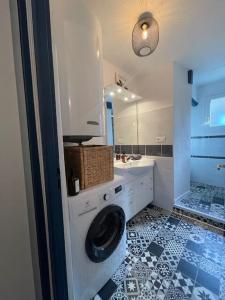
{"type": "Point", "coordinates": [50, 236]}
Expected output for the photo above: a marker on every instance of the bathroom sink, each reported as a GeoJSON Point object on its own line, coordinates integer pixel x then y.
{"type": "Point", "coordinates": [134, 167]}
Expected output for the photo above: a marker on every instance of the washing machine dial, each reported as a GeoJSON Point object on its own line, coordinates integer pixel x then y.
{"type": "Point", "coordinates": [106, 197]}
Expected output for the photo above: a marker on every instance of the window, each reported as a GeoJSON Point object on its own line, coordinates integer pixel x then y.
{"type": "Point", "coordinates": [217, 112]}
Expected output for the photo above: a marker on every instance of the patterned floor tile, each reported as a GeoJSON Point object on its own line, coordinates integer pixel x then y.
{"type": "Point", "coordinates": [205, 199]}
{"type": "Point", "coordinates": [197, 248]}
{"type": "Point", "coordinates": [164, 270]}
{"type": "Point", "coordinates": [167, 234]}
{"type": "Point", "coordinates": [174, 294]}
{"type": "Point", "coordinates": [175, 248]}
{"type": "Point", "coordinates": [170, 226]}
{"type": "Point", "coordinates": [155, 249]}
{"type": "Point", "coordinates": [158, 285]}
{"type": "Point", "coordinates": [160, 240]}
{"type": "Point", "coordinates": [107, 291]}
{"type": "Point", "coordinates": [201, 293]}
{"type": "Point", "coordinates": [130, 261]}
{"type": "Point", "coordinates": [211, 268]}
{"type": "Point", "coordinates": [141, 271]}
{"type": "Point", "coordinates": [222, 289]}
{"type": "Point", "coordinates": [119, 296]}
{"type": "Point", "coordinates": [136, 249]}
{"type": "Point", "coordinates": [180, 239]}
{"type": "Point", "coordinates": [169, 258]}
{"type": "Point", "coordinates": [131, 286]}
{"type": "Point", "coordinates": [197, 238]}
{"type": "Point", "coordinates": [191, 257]}
{"type": "Point", "coordinates": [181, 231]}
{"type": "Point", "coordinates": [179, 261]}
{"type": "Point", "coordinates": [188, 269]}
{"type": "Point", "coordinates": [208, 281]}
{"type": "Point", "coordinates": [212, 255]}
{"type": "Point", "coordinates": [132, 234]}
{"type": "Point", "coordinates": [120, 274]}
{"type": "Point", "coordinates": [183, 283]}
{"type": "Point", "coordinates": [149, 259]}
{"type": "Point", "coordinates": [147, 294]}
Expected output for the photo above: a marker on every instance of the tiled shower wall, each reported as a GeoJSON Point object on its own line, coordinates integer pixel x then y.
{"type": "Point", "coordinates": [207, 142]}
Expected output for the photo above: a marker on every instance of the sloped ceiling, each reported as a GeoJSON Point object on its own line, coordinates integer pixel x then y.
{"type": "Point", "coordinates": [192, 33]}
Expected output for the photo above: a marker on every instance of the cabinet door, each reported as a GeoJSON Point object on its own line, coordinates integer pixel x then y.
{"type": "Point", "coordinates": [145, 191]}
{"type": "Point", "coordinates": [131, 198]}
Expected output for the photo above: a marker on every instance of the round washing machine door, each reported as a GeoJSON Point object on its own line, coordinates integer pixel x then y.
{"type": "Point", "coordinates": [105, 233]}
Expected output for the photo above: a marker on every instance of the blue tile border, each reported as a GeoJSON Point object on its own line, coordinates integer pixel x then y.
{"type": "Point", "coordinates": [207, 156]}
{"type": "Point", "coordinates": [149, 150]}
{"type": "Point", "coordinates": [208, 137]}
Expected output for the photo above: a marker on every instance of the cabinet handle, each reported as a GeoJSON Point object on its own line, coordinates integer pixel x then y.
{"type": "Point", "coordinates": [93, 123]}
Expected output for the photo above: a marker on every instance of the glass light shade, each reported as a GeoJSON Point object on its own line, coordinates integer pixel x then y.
{"type": "Point", "coordinates": [145, 35]}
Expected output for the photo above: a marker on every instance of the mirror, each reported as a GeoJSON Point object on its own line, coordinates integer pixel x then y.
{"type": "Point", "coordinates": [122, 118]}
{"type": "Point", "coordinates": [125, 122]}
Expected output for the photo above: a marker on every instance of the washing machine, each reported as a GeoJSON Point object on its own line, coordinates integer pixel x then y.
{"type": "Point", "coordinates": [98, 237]}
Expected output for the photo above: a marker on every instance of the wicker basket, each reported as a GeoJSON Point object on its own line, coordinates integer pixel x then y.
{"type": "Point", "coordinates": [91, 164]}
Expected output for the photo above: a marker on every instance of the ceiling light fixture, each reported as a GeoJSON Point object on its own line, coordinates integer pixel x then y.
{"type": "Point", "coordinates": [145, 35]}
{"type": "Point", "coordinates": [112, 94]}
{"type": "Point", "coordinates": [133, 96]}
{"type": "Point", "coordinates": [119, 91]}
{"type": "Point", "coordinates": [125, 99]}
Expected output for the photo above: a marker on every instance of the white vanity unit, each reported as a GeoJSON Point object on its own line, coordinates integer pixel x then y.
{"type": "Point", "coordinates": [138, 177]}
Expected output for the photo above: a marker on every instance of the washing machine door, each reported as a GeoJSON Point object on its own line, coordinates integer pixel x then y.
{"type": "Point", "coordinates": [105, 233]}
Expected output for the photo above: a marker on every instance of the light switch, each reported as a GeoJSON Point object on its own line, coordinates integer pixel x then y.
{"type": "Point", "coordinates": [160, 139]}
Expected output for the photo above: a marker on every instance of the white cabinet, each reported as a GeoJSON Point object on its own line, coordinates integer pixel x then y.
{"type": "Point", "coordinates": [139, 193]}
{"type": "Point", "coordinates": [131, 196]}
{"type": "Point", "coordinates": [77, 50]}
{"type": "Point", "coordinates": [144, 192]}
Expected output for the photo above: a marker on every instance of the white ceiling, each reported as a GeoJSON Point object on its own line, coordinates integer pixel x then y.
{"type": "Point", "coordinates": [192, 32]}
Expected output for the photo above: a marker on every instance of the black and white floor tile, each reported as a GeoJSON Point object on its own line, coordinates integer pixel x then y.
{"type": "Point", "coordinates": [168, 257]}
{"type": "Point", "coordinates": [205, 200]}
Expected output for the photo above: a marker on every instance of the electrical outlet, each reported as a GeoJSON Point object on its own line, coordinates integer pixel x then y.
{"type": "Point", "coordinates": [160, 139]}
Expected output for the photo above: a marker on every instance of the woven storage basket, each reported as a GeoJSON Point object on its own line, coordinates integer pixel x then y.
{"type": "Point", "coordinates": [91, 164]}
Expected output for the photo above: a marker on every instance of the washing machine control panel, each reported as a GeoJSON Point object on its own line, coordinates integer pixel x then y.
{"type": "Point", "coordinates": [106, 197]}
{"type": "Point", "coordinates": [118, 189]}
{"type": "Point", "coordinates": [111, 193]}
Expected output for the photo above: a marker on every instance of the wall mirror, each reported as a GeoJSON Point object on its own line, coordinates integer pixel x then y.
{"type": "Point", "coordinates": [122, 118]}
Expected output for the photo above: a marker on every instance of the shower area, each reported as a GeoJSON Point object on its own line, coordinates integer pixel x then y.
{"type": "Point", "coordinates": [207, 189]}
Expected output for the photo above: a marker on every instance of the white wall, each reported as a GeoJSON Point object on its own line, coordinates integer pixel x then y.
{"type": "Point", "coordinates": [163, 182]}
{"type": "Point", "coordinates": [109, 71]}
{"type": "Point", "coordinates": [204, 170]}
{"type": "Point", "coordinates": [16, 276]}
{"type": "Point", "coordinates": [182, 93]}
{"type": "Point", "coordinates": [155, 118]}
{"type": "Point", "coordinates": [155, 111]}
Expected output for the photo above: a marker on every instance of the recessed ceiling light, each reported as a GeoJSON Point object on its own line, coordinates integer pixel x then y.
{"type": "Point", "coordinates": [133, 96]}
{"type": "Point", "coordinates": [112, 94]}
{"type": "Point", "coordinates": [119, 91]}
{"type": "Point", "coordinates": [125, 99]}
